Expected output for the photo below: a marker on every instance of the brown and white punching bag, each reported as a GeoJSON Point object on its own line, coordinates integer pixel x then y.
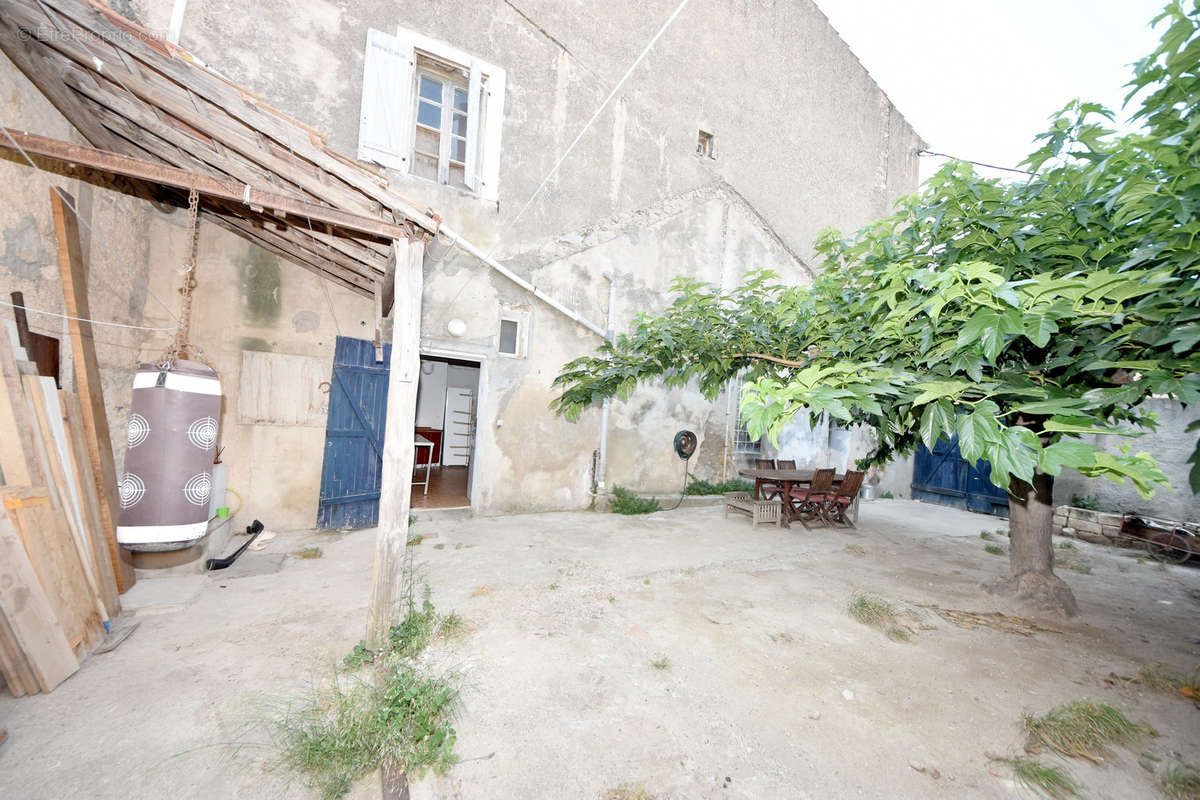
{"type": "Point", "coordinates": [171, 439]}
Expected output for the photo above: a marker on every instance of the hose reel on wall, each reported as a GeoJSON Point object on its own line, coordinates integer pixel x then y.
{"type": "Point", "coordinates": [685, 446]}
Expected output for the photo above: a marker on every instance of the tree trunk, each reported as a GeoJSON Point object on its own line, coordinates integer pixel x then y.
{"type": "Point", "coordinates": [1031, 551]}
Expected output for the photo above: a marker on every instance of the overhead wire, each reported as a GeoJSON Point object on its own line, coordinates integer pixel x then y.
{"type": "Point", "coordinates": [75, 210]}
{"type": "Point", "coordinates": [30, 310]}
{"type": "Point", "coordinates": [976, 163]}
{"type": "Point", "coordinates": [574, 142]}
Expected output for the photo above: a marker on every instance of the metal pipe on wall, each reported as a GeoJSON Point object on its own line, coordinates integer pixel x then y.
{"type": "Point", "coordinates": [606, 409]}
{"type": "Point", "coordinates": [175, 27]}
{"type": "Point", "coordinates": [519, 281]}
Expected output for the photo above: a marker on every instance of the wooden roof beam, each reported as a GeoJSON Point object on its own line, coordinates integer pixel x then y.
{"type": "Point", "coordinates": [153, 172]}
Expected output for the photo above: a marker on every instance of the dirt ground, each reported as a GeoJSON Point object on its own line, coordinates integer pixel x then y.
{"type": "Point", "coordinates": [770, 689]}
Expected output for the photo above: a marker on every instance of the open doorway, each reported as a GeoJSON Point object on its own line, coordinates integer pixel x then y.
{"type": "Point", "coordinates": [447, 414]}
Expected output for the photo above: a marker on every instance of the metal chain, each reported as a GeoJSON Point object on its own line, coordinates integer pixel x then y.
{"type": "Point", "coordinates": [180, 348]}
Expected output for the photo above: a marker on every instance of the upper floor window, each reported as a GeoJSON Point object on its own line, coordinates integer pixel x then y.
{"type": "Point", "coordinates": [433, 111]}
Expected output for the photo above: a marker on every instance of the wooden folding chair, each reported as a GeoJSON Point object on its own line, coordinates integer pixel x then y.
{"type": "Point", "coordinates": [809, 501]}
{"type": "Point", "coordinates": [839, 503]}
{"type": "Point", "coordinates": [762, 489]}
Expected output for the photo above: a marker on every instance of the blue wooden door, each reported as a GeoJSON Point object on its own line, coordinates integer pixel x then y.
{"type": "Point", "coordinates": [351, 473]}
{"type": "Point", "coordinates": [943, 476]}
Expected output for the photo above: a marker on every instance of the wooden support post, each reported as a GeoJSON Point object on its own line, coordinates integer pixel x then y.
{"type": "Point", "coordinates": [87, 380]}
{"type": "Point", "coordinates": [396, 479]}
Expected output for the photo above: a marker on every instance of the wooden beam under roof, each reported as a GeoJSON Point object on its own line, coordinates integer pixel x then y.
{"type": "Point", "coordinates": [153, 172]}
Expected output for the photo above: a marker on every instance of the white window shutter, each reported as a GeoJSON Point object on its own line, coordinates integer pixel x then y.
{"type": "Point", "coordinates": [490, 132]}
{"type": "Point", "coordinates": [474, 107]}
{"type": "Point", "coordinates": [385, 134]}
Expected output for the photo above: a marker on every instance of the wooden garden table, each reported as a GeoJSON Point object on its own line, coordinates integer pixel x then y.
{"type": "Point", "coordinates": [785, 479]}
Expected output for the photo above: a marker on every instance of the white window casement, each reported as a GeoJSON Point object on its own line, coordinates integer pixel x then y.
{"type": "Point", "coordinates": [512, 338]}
{"type": "Point", "coordinates": [433, 111]}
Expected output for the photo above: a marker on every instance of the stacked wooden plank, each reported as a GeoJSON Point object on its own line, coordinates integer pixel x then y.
{"type": "Point", "coordinates": [58, 586]}
{"type": "Point", "coordinates": [60, 571]}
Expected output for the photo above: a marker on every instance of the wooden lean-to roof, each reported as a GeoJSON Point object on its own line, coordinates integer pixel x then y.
{"type": "Point", "coordinates": [154, 113]}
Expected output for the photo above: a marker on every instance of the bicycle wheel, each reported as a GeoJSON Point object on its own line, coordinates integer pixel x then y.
{"type": "Point", "coordinates": [1169, 548]}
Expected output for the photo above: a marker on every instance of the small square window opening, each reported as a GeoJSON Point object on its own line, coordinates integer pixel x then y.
{"type": "Point", "coordinates": [510, 331]}
{"type": "Point", "coordinates": [704, 145]}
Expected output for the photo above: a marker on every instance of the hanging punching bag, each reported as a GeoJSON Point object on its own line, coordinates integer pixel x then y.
{"type": "Point", "coordinates": [172, 436]}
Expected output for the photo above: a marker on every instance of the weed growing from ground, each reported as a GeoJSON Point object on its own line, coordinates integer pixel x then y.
{"type": "Point", "coordinates": [887, 494]}
{"type": "Point", "coordinates": [1054, 782]}
{"type": "Point", "coordinates": [351, 727]}
{"type": "Point", "coordinates": [1181, 782]}
{"type": "Point", "coordinates": [626, 791]}
{"type": "Point", "coordinates": [1066, 545]}
{"type": "Point", "coordinates": [626, 502]}
{"type": "Point", "coordinates": [415, 540]}
{"type": "Point", "coordinates": [309, 552]}
{"type": "Point", "coordinates": [1162, 678]}
{"type": "Point", "coordinates": [877, 613]}
{"type": "Point", "coordinates": [1076, 566]}
{"type": "Point", "coordinates": [661, 663]}
{"type": "Point", "coordinates": [994, 549]}
{"type": "Point", "coordinates": [986, 536]}
{"type": "Point", "coordinates": [1083, 729]}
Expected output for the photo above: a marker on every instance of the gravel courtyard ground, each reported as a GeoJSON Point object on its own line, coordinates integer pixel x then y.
{"type": "Point", "coordinates": [768, 688]}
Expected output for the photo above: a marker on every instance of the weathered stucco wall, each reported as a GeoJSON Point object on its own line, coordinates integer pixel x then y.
{"type": "Point", "coordinates": [247, 299]}
{"type": "Point", "coordinates": [1170, 445]}
{"type": "Point", "coordinates": [802, 132]}
{"type": "Point", "coordinates": [804, 140]}
{"type": "Point", "coordinates": [113, 243]}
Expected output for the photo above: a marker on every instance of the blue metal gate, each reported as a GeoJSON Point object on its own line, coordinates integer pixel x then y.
{"type": "Point", "coordinates": [943, 476]}
{"type": "Point", "coordinates": [350, 476]}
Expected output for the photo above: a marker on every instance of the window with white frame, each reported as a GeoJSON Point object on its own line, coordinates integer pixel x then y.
{"type": "Point", "coordinates": [511, 342]}
{"type": "Point", "coordinates": [433, 111]}
{"type": "Point", "coordinates": [740, 438]}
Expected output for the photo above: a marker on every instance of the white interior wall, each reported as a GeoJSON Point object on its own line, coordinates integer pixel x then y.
{"type": "Point", "coordinates": [431, 394]}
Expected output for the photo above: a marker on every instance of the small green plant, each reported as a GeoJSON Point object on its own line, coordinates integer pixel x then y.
{"type": "Point", "coordinates": [1002, 532]}
{"type": "Point", "coordinates": [1073, 565]}
{"type": "Point", "coordinates": [553, 586]}
{"type": "Point", "coordinates": [1067, 545]}
{"type": "Point", "coordinates": [1083, 729]}
{"type": "Point", "coordinates": [350, 727]}
{"type": "Point", "coordinates": [994, 549]}
{"type": "Point", "coordinates": [1087, 502]}
{"type": "Point", "coordinates": [309, 552]}
{"type": "Point", "coordinates": [1181, 782]}
{"type": "Point", "coordinates": [986, 536]}
{"type": "Point", "coordinates": [415, 540]}
{"type": "Point", "coordinates": [359, 656]}
{"type": "Point", "coordinates": [887, 494]}
{"type": "Point", "coordinates": [877, 613]}
{"type": "Point", "coordinates": [702, 487]}
{"type": "Point", "coordinates": [626, 502]}
{"type": "Point", "coordinates": [1161, 678]}
{"type": "Point", "coordinates": [1053, 782]}
{"type": "Point", "coordinates": [626, 791]}
{"type": "Point", "coordinates": [661, 663]}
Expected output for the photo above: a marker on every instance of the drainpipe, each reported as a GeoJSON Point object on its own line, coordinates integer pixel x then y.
{"type": "Point", "coordinates": [519, 281]}
{"type": "Point", "coordinates": [606, 409]}
{"type": "Point", "coordinates": [175, 27]}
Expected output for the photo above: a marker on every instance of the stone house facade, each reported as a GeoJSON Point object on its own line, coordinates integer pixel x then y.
{"type": "Point", "coordinates": [747, 129]}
